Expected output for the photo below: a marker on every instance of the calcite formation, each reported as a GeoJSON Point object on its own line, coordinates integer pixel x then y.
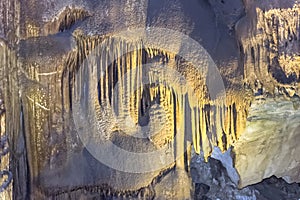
{"type": "Point", "coordinates": [270, 48]}
{"type": "Point", "coordinates": [72, 82]}
{"type": "Point", "coordinates": [271, 68]}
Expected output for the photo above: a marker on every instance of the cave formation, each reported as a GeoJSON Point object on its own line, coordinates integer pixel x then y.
{"type": "Point", "coordinates": [79, 78]}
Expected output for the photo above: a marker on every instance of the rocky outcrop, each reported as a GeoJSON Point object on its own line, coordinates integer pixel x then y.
{"type": "Point", "coordinates": [269, 145]}
{"type": "Point", "coordinates": [212, 182]}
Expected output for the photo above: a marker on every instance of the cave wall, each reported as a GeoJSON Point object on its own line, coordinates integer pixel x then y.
{"type": "Point", "coordinates": [268, 37]}
{"type": "Point", "coordinates": [254, 46]}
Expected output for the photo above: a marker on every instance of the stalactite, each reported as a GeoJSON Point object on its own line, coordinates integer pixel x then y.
{"type": "Point", "coordinates": [101, 192]}
{"type": "Point", "coordinates": [64, 20]}
{"type": "Point", "coordinates": [271, 53]}
{"type": "Point", "coordinates": [119, 76]}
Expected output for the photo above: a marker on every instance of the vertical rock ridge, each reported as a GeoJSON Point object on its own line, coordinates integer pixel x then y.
{"type": "Point", "coordinates": [9, 20]}
{"type": "Point", "coordinates": [16, 157]}
{"type": "Point", "coordinates": [6, 176]}
{"type": "Point", "coordinates": [42, 134]}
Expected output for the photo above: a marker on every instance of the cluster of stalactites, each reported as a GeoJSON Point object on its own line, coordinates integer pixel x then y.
{"type": "Point", "coordinates": [114, 70]}
{"type": "Point", "coordinates": [64, 20]}
{"type": "Point", "coordinates": [271, 51]}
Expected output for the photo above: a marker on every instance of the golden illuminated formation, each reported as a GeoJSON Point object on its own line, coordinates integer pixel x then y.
{"type": "Point", "coordinates": [167, 105]}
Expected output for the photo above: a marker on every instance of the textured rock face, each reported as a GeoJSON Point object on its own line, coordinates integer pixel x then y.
{"type": "Point", "coordinates": [254, 44]}
{"type": "Point", "coordinates": [268, 36]}
{"type": "Point", "coordinates": [269, 145]}
{"type": "Point", "coordinates": [212, 182]}
{"type": "Point", "coordinates": [6, 175]}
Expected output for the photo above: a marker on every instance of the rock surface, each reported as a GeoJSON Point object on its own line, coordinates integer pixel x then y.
{"type": "Point", "coordinates": [45, 70]}
{"type": "Point", "coordinates": [269, 145]}
{"type": "Point", "coordinates": [212, 182]}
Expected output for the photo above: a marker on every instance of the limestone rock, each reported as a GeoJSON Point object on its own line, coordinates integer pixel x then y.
{"type": "Point", "coordinates": [269, 145]}
{"type": "Point", "coordinates": [57, 82]}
